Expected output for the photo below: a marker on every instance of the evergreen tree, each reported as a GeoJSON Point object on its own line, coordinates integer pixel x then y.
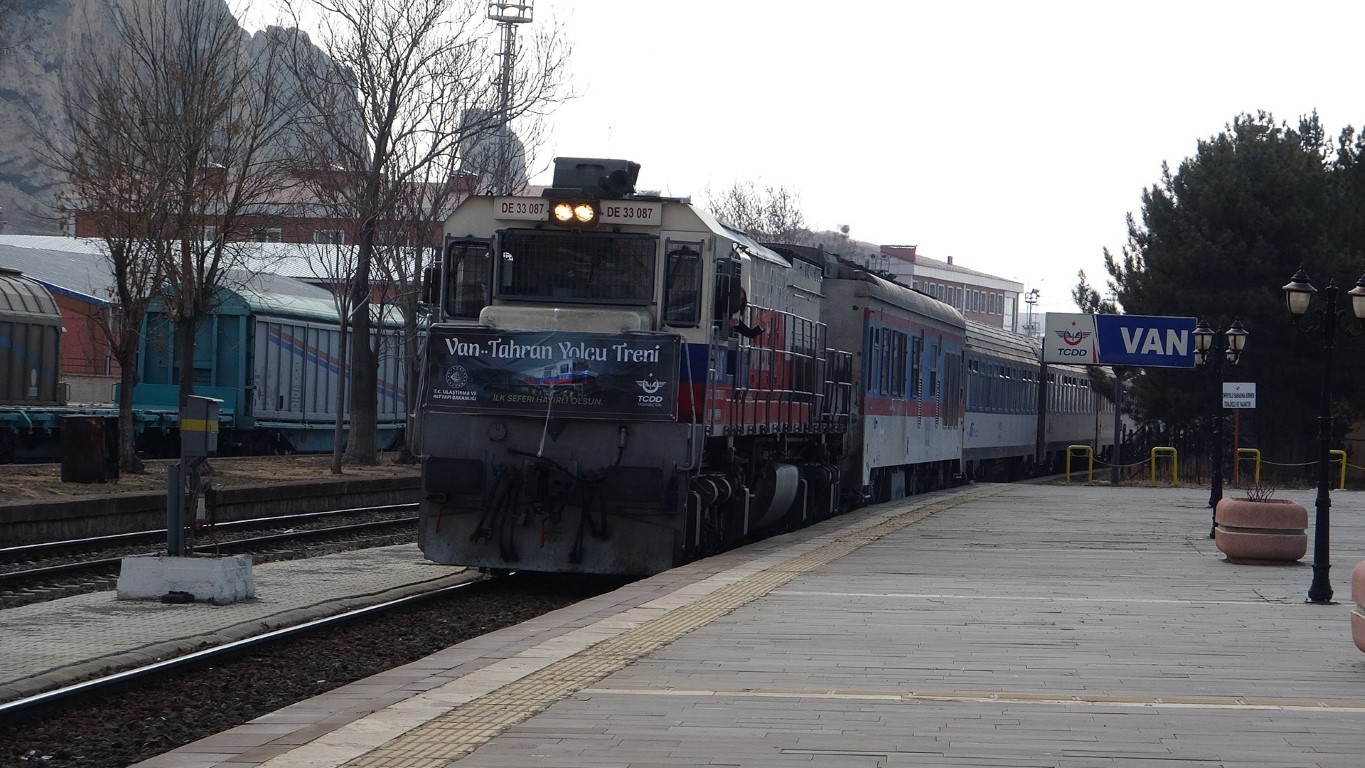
{"type": "Point", "coordinates": [1218, 239]}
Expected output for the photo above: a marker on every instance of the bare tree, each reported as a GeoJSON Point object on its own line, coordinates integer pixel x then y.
{"type": "Point", "coordinates": [390, 100]}
{"type": "Point", "coordinates": [334, 265]}
{"type": "Point", "coordinates": [218, 112]}
{"type": "Point", "coordinates": [100, 147]}
{"type": "Point", "coordinates": [772, 214]}
{"type": "Point", "coordinates": [174, 128]}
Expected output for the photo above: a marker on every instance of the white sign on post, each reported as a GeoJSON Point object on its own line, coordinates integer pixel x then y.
{"type": "Point", "coordinates": [1239, 395]}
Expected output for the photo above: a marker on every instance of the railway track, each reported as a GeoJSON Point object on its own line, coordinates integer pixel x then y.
{"type": "Point", "coordinates": [128, 679]}
{"type": "Point", "coordinates": [136, 713]}
{"type": "Point", "coordinates": [51, 570]}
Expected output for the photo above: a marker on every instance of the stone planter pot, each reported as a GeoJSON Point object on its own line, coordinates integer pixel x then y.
{"type": "Point", "coordinates": [1271, 531]}
{"type": "Point", "coordinates": [1358, 612]}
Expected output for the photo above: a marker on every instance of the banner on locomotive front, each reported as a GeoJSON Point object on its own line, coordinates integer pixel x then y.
{"type": "Point", "coordinates": [630, 376]}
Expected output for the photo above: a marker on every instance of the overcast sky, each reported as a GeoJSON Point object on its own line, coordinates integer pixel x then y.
{"type": "Point", "coordinates": [1013, 136]}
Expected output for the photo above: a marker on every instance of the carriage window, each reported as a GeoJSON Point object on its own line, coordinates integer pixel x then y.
{"type": "Point", "coordinates": [952, 397]}
{"type": "Point", "coordinates": [469, 272]}
{"type": "Point", "coordinates": [916, 353]}
{"type": "Point", "coordinates": [888, 361]}
{"type": "Point", "coordinates": [899, 352]}
{"type": "Point", "coordinates": [606, 268]}
{"type": "Point", "coordinates": [682, 285]}
{"type": "Point", "coordinates": [873, 368]}
{"type": "Point", "coordinates": [933, 371]}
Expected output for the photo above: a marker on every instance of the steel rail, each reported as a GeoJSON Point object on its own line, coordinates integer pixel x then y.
{"type": "Point", "coordinates": [18, 552]}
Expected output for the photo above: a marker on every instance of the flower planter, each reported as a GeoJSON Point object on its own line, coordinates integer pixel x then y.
{"type": "Point", "coordinates": [1270, 531]}
{"type": "Point", "coordinates": [1358, 612]}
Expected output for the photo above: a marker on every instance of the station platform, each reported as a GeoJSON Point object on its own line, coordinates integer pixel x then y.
{"type": "Point", "coordinates": [994, 625]}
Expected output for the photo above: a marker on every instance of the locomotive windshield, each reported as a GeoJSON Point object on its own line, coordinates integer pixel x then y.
{"type": "Point", "coordinates": [607, 268]}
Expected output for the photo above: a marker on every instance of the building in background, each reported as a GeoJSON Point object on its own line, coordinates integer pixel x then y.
{"type": "Point", "coordinates": [982, 297]}
{"type": "Point", "coordinates": [78, 279]}
{"type": "Point", "coordinates": [304, 211]}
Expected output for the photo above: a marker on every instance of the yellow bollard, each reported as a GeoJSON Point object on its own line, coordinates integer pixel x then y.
{"type": "Point", "coordinates": [1341, 483]}
{"type": "Point", "coordinates": [1175, 463]}
{"type": "Point", "coordinates": [1090, 461]}
{"type": "Point", "coordinates": [1254, 453]}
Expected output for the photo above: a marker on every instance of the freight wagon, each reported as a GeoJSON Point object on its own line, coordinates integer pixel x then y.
{"type": "Point", "coordinates": [270, 351]}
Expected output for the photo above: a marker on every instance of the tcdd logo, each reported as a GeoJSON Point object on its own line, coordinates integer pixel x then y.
{"type": "Point", "coordinates": [1072, 339]}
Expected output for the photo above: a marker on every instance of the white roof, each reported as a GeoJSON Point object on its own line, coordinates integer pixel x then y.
{"type": "Point", "coordinates": [272, 283]}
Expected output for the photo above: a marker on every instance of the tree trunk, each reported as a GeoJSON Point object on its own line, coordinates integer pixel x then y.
{"type": "Point", "coordinates": [364, 363]}
{"type": "Point", "coordinates": [184, 325]}
{"type": "Point", "coordinates": [184, 343]}
{"type": "Point", "coordinates": [339, 432]}
{"type": "Point", "coordinates": [128, 460]}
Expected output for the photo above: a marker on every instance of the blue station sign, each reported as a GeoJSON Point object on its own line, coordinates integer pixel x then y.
{"type": "Point", "coordinates": [1151, 341]}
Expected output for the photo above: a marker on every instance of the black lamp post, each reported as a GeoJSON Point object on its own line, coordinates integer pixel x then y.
{"type": "Point", "coordinates": [1298, 294]}
{"type": "Point", "coordinates": [1212, 348]}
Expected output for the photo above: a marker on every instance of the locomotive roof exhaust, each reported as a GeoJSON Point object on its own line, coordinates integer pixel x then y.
{"type": "Point", "coordinates": [608, 179]}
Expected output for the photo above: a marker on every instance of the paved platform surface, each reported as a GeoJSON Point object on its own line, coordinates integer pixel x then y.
{"type": "Point", "coordinates": [1021, 625]}
{"type": "Point", "coordinates": [46, 645]}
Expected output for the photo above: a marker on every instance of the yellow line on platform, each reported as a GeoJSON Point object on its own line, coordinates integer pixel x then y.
{"type": "Point", "coordinates": [1198, 702]}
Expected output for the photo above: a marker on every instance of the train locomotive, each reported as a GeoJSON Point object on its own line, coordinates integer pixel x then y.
{"type": "Point", "coordinates": [615, 383]}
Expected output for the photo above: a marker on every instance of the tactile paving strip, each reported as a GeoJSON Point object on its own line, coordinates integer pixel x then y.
{"type": "Point", "coordinates": [469, 726]}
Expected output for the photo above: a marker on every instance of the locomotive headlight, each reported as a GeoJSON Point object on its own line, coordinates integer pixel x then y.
{"type": "Point", "coordinates": [574, 212]}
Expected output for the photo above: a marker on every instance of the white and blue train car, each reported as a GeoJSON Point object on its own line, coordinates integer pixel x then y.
{"type": "Point", "coordinates": [1021, 415]}
{"type": "Point", "coordinates": [1000, 440]}
{"type": "Point", "coordinates": [1077, 414]}
{"type": "Point", "coordinates": [906, 429]}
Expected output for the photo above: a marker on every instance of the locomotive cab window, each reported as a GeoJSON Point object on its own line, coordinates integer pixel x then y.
{"type": "Point", "coordinates": [469, 275]}
{"type": "Point", "coordinates": [604, 268]}
{"type": "Point", "coordinates": [682, 285]}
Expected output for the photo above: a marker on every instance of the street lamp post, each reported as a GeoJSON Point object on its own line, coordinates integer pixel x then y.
{"type": "Point", "coordinates": [1298, 294]}
{"type": "Point", "coordinates": [1031, 299]}
{"type": "Point", "coordinates": [1213, 348]}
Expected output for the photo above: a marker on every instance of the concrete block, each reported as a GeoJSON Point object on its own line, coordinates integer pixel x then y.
{"type": "Point", "coordinates": [219, 580]}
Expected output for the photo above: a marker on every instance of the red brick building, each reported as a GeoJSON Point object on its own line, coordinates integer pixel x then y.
{"type": "Point", "coordinates": [299, 214]}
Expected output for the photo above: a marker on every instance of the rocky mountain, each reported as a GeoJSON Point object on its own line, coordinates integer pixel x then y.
{"type": "Point", "coordinates": [34, 35]}
{"type": "Point", "coordinates": [35, 39]}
